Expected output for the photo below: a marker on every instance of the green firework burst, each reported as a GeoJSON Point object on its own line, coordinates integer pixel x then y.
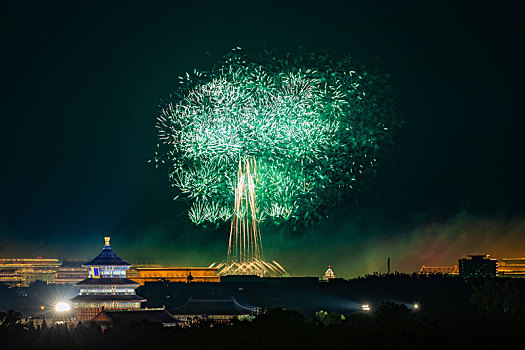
{"type": "Point", "coordinates": [312, 125]}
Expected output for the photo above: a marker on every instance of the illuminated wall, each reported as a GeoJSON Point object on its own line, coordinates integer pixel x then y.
{"type": "Point", "coordinates": [174, 274]}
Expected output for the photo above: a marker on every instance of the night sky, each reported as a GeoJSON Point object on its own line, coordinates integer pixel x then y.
{"type": "Point", "coordinates": [82, 83]}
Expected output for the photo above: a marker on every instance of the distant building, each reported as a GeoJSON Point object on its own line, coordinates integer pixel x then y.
{"type": "Point", "coordinates": [105, 319]}
{"type": "Point", "coordinates": [21, 272]}
{"type": "Point", "coordinates": [71, 272]}
{"type": "Point", "coordinates": [477, 266]}
{"type": "Point", "coordinates": [511, 267]}
{"type": "Point", "coordinates": [174, 274]}
{"type": "Point", "coordinates": [11, 278]}
{"type": "Point", "coordinates": [217, 310]}
{"type": "Point", "coordinates": [329, 274]}
{"type": "Point", "coordinates": [446, 270]}
{"type": "Point", "coordinates": [107, 287]}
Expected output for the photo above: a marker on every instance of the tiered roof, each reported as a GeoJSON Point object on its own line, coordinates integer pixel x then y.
{"type": "Point", "coordinates": [107, 281]}
{"type": "Point", "coordinates": [107, 257]}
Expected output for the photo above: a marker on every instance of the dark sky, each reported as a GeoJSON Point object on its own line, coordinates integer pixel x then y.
{"type": "Point", "coordinates": [81, 85]}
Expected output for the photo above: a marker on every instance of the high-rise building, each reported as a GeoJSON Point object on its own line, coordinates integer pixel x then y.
{"type": "Point", "coordinates": [107, 287]}
{"type": "Point", "coordinates": [477, 266]}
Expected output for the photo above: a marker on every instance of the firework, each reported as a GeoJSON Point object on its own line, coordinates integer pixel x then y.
{"type": "Point", "coordinates": [310, 126]}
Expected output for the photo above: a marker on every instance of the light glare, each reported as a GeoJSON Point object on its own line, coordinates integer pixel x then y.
{"type": "Point", "coordinates": [61, 307]}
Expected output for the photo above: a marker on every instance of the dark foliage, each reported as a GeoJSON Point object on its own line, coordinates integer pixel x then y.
{"type": "Point", "coordinates": [454, 313]}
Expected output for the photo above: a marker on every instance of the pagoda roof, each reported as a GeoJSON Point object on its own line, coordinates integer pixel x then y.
{"type": "Point", "coordinates": [213, 307]}
{"type": "Point", "coordinates": [127, 316]}
{"type": "Point", "coordinates": [107, 258]}
{"type": "Point", "coordinates": [88, 298]}
{"type": "Point", "coordinates": [107, 281]}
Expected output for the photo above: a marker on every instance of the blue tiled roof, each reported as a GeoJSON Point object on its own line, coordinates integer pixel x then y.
{"type": "Point", "coordinates": [107, 257]}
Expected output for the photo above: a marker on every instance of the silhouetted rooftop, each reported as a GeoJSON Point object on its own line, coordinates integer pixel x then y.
{"type": "Point", "coordinates": [72, 264]}
{"type": "Point", "coordinates": [127, 316]}
{"type": "Point", "coordinates": [213, 307]}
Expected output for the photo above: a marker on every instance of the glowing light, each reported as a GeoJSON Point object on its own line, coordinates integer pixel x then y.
{"type": "Point", "coordinates": [416, 306]}
{"type": "Point", "coordinates": [42, 307]}
{"type": "Point", "coordinates": [62, 307]}
{"type": "Point", "coordinates": [365, 307]}
{"type": "Point", "coordinates": [311, 127]}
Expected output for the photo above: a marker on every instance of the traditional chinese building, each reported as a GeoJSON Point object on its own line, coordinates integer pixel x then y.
{"type": "Point", "coordinates": [175, 274]}
{"type": "Point", "coordinates": [107, 287]}
{"type": "Point", "coordinates": [106, 319]}
{"type": "Point", "coordinates": [222, 311]}
{"type": "Point", "coordinates": [71, 272]}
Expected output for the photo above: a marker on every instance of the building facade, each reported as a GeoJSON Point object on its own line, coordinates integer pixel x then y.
{"type": "Point", "coordinates": [107, 287]}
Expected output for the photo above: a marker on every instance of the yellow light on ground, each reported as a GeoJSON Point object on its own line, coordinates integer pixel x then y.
{"type": "Point", "coordinates": [61, 307]}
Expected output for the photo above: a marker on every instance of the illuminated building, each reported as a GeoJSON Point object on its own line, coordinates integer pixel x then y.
{"type": "Point", "coordinates": [71, 272]}
{"type": "Point", "coordinates": [174, 274]}
{"type": "Point", "coordinates": [477, 266]}
{"type": "Point", "coordinates": [446, 270]}
{"type": "Point", "coordinates": [22, 272]}
{"type": "Point", "coordinates": [107, 287]}
{"type": "Point", "coordinates": [329, 274]}
{"type": "Point", "coordinates": [11, 278]}
{"type": "Point", "coordinates": [511, 267]}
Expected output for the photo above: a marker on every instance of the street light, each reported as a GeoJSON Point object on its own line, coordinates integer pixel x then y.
{"type": "Point", "coordinates": [62, 307]}
{"type": "Point", "coordinates": [365, 307]}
